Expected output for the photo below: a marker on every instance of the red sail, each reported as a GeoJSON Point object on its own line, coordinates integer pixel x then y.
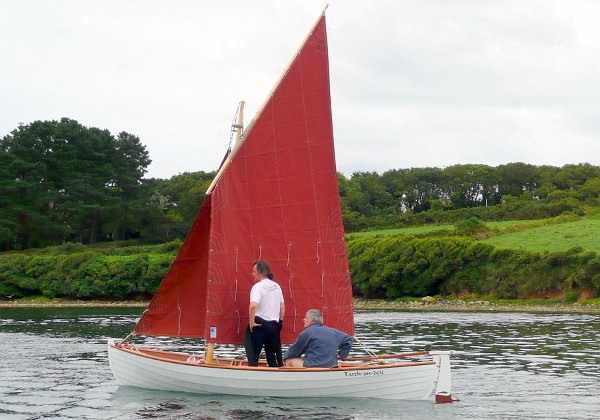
{"type": "Point", "coordinates": [278, 200]}
{"type": "Point", "coordinates": [178, 308]}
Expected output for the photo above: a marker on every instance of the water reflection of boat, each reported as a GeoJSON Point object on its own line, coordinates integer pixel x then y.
{"type": "Point", "coordinates": [275, 197]}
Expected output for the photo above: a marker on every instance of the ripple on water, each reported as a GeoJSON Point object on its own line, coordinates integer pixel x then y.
{"type": "Point", "coordinates": [525, 366]}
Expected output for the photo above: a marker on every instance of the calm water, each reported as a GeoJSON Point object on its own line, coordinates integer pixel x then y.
{"type": "Point", "coordinates": [53, 364]}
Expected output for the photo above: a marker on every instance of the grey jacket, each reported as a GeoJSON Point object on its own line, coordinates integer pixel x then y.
{"type": "Point", "coordinates": [320, 345]}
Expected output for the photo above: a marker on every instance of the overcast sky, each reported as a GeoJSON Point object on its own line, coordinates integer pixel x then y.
{"type": "Point", "coordinates": [414, 83]}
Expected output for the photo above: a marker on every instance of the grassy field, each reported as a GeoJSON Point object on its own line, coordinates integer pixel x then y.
{"type": "Point", "coordinates": [426, 229]}
{"type": "Point", "coordinates": [532, 235]}
{"type": "Point", "coordinates": [560, 237]}
{"type": "Point", "coordinates": [511, 224]}
{"type": "Point", "coordinates": [416, 230]}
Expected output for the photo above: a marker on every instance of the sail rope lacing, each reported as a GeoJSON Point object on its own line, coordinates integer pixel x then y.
{"type": "Point", "coordinates": [318, 255]}
{"type": "Point", "coordinates": [235, 291]}
{"type": "Point", "coordinates": [238, 320]}
{"type": "Point", "coordinates": [237, 254]}
{"type": "Point", "coordinates": [288, 255]}
{"type": "Point", "coordinates": [322, 284]}
{"type": "Point", "coordinates": [295, 316]}
{"type": "Point", "coordinates": [290, 285]}
{"type": "Point", "coordinates": [260, 252]}
{"type": "Point", "coordinates": [178, 320]}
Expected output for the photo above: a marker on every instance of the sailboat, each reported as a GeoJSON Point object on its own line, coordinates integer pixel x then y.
{"type": "Point", "coordinates": [275, 197]}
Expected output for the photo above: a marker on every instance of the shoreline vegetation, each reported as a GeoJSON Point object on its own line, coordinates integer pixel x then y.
{"type": "Point", "coordinates": [394, 266]}
{"type": "Point", "coordinates": [426, 304]}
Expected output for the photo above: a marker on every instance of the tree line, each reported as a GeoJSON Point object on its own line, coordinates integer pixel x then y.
{"type": "Point", "coordinates": [402, 197]}
{"type": "Point", "coordinates": [63, 182]}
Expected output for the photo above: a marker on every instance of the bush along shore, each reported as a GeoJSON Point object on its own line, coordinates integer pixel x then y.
{"type": "Point", "coordinates": [418, 304]}
{"type": "Point", "coordinates": [387, 268]}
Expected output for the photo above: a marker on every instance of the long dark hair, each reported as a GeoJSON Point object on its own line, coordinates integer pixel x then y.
{"type": "Point", "coordinates": [263, 268]}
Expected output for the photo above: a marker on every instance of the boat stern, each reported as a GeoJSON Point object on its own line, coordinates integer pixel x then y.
{"type": "Point", "coordinates": [443, 389]}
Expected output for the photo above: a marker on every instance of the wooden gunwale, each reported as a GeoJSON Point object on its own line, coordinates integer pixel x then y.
{"type": "Point", "coordinates": [387, 356]}
{"type": "Point", "coordinates": [229, 363]}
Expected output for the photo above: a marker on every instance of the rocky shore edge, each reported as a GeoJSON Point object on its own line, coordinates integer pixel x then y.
{"type": "Point", "coordinates": [443, 305]}
{"type": "Point", "coordinates": [425, 304]}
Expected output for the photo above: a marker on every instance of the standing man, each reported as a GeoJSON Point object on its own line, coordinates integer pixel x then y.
{"type": "Point", "coordinates": [320, 345]}
{"type": "Point", "coordinates": [265, 317]}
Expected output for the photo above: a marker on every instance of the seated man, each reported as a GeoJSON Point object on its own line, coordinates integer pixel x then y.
{"type": "Point", "coordinates": [320, 345]}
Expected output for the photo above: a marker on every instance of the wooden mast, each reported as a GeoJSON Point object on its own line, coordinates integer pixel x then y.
{"type": "Point", "coordinates": [239, 126]}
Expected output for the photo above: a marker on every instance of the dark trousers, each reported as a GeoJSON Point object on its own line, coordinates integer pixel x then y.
{"type": "Point", "coordinates": [267, 336]}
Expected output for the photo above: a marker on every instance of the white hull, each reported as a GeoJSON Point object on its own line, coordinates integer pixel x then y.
{"type": "Point", "coordinates": [170, 371]}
